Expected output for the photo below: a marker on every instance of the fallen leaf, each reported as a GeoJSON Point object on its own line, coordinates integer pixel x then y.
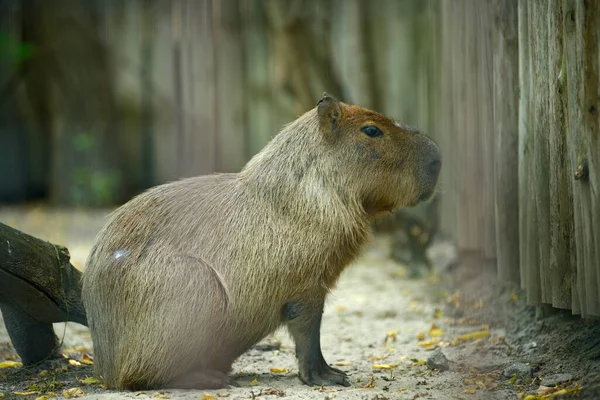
{"type": "Point", "coordinates": [343, 363]}
{"type": "Point", "coordinates": [435, 331]}
{"type": "Point", "coordinates": [438, 314]}
{"type": "Point", "coordinates": [10, 364]}
{"type": "Point", "coordinates": [421, 336]}
{"type": "Point", "coordinates": [378, 358]}
{"type": "Point", "coordinates": [544, 390]}
{"type": "Point", "coordinates": [280, 370]}
{"type": "Point", "coordinates": [42, 398]}
{"type": "Point", "coordinates": [339, 308]}
{"type": "Point", "coordinates": [75, 363]}
{"type": "Point", "coordinates": [52, 394]}
{"type": "Point", "coordinates": [73, 392]}
{"type": "Point", "coordinates": [273, 391]}
{"type": "Point", "coordinates": [207, 396]}
{"type": "Point", "coordinates": [391, 335]}
{"type": "Point", "coordinates": [474, 335]}
{"type": "Point", "coordinates": [401, 389]}
{"type": "Point", "coordinates": [429, 343]}
{"type": "Point", "coordinates": [385, 366]}
{"type": "Point", "coordinates": [254, 383]}
{"type": "Point", "coordinates": [30, 393]}
{"type": "Point", "coordinates": [470, 390]}
{"type": "Point", "coordinates": [87, 359]}
{"type": "Point", "coordinates": [160, 395]}
{"type": "Point", "coordinates": [514, 297]}
{"type": "Point", "coordinates": [89, 381]}
{"type": "Point", "coordinates": [223, 394]}
{"type": "Point", "coordinates": [370, 384]}
{"type": "Point", "coordinates": [417, 361]}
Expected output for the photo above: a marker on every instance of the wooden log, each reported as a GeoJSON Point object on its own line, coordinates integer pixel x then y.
{"type": "Point", "coordinates": [38, 287]}
{"type": "Point", "coordinates": [506, 132]}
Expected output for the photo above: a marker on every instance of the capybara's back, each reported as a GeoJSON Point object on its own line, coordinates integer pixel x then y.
{"type": "Point", "coordinates": [187, 276]}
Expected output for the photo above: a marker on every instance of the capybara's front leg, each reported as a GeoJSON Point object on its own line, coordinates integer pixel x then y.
{"type": "Point", "coordinates": [304, 324]}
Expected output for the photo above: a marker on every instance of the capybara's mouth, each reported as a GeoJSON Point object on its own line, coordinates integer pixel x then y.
{"type": "Point", "coordinates": [425, 196]}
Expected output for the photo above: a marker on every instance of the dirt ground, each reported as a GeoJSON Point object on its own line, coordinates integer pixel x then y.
{"type": "Point", "coordinates": [378, 326]}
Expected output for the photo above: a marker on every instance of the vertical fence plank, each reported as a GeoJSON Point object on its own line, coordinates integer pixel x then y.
{"type": "Point", "coordinates": [562, 245]}
{"type": "Point", "coordinates": [539, 163]}
{"type": "Point", "coordinates": [506, 113]}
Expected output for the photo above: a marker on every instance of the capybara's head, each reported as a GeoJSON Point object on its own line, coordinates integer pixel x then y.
{"type": "Point", "coordinates": [393, 165]}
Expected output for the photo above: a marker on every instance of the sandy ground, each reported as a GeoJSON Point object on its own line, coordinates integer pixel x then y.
{"type": "Point", "coordinates": [378, 326]}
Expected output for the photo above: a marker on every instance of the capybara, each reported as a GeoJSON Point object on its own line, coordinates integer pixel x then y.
{"type": "Point", "coordinates": [187, 276]}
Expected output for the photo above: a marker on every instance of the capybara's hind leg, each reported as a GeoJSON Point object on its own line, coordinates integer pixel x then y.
{"type": "Point", "coordinates": [202, 379]}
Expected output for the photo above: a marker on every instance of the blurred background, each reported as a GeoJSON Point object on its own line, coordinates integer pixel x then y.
{"type": "Point", "coordinates": [101, 99]}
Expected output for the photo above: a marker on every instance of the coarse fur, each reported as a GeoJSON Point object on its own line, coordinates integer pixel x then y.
{"type": "Point", "coordinates": [187, 276]}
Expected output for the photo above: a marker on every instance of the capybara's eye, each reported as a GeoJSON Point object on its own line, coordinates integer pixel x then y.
{"type": "Point", "coordinates": [371, 131]}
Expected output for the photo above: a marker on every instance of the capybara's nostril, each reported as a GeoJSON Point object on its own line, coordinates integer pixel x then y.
{"type": "Point", "coordinates": [434, 167]}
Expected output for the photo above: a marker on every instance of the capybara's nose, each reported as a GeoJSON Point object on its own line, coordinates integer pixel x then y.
{"type": "Point", "coordinates": [433, 168]}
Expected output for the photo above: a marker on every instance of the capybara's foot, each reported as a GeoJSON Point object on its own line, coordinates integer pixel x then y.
{"type": "Point", "coordinates": [203, 379]}
{"type": "Point", "coordinates": [324, 376]}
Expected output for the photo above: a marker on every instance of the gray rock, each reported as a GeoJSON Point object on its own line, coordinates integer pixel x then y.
{"type": "Point", "coordinates": [556, 379]}
{"type": "Point", "coordinates": [520, 369]}
{"type": "Point", "coordinates": [437, 360]}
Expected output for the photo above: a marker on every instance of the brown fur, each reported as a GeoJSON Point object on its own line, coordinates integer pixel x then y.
{"type": "Point", "coordinates": [187, 276]}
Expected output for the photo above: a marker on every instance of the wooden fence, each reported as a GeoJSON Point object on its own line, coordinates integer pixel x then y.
{"type": "Point", "coordinates": [131, 93]}
{"type": "Point", "coordinates": [520, 97]}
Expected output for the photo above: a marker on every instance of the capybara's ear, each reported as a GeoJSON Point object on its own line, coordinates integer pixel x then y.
{"type": "Point", "coordinates": [329, 111]}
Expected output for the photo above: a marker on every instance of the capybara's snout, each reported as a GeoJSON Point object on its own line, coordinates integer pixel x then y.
{"type": "Point", "coordinates": [431, 164]}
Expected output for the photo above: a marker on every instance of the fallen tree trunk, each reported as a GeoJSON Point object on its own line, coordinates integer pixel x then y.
{"type": "Point", "coordinates": [38, 287]}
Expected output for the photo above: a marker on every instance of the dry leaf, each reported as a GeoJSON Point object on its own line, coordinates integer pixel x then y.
{"type": "Point", "coordinates": [52, 394]}
{"type": "Point", "coordinates": [273, 391]}
{"type": "Point", "coordinates": [88, 381]}
{"type": "Point", "coordinates": [370, 384]}
{"type": "Point", "coordinates": [10, 364]}
{"type": "Point", "coordinates": [378, 358]}
{"type": "Point", "coordinates": [73, 392]}
{"type": "Point", "coordinates": [75, 363]}
{"type": "Point", "coordinates": [438, 314]}
{"type": "Point", "coordinates": [207, 396]}
{"type": "Point", "coordinates": [339, 308]}
{"type": "Point", "coordinates": [87, 359]}
{"type": "Point", "coordinates": [470, 390]}
{"type": "Point", "coordinates": [544, 390]}
{"type": "Point", "coordinates": [474, 335]}
{"type": "Point", "coordinates": [385, 366]}
{"type": "Point", "coordinates": [30, 393]}
{"type": "Point", "coordinates": [421, 336]}
{"type": "Point", "coordinates": [343, 363]}
{"type": "Point", "coordinates": [223, 394]}
{"type": "Point", "coordinates": [429, 343]}
{"type": "Point", "coordinates": [254, 383]}
{"type": "Point", "coordinates": [391, 335]}
{"type": "Point", "coordinates": [514, 297]}
{"type": "Point", "coordinates": [279, 370]}
{"type": "Point", "coordinates": [160, 395]}
{"type": "Point", "coordinates": [42, 398]}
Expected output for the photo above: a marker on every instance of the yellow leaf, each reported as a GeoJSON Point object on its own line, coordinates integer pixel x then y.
{"type": "Point", "coordinates": [378, 358]}
{"type": "Point", "coordinates": [429, 343]}
{"type": "Point", "coordinates": [339, 308]}
{"type": "Point", "coordinates": [474, 335]}
{"type": "Point", "coordinates": [42, 398]}
{"type": "Point", "coordinates": [89, 381]}
{"type": "Point", "coordinates": [421, 336]}
{"type": "Point", "coordinates": [385, 366]}
{"type": "Point", "coordinates": [370, 384]}
{"type": "Point", "coordinates": [73, 392]}
{"type": "Point", "coordinates": [435, 331]}
{"type": "Point", "coordinates": [52, 394]}
{"type": "Point", "coordinates": [30, 393]}
{"type": "Point", "coordinates": [391, 335]}
{"type": "Point", "coordinates": [470, 390]}
{"type": "Point", "coordinates": [207, 396]}
{"type": "Point", "coordinates": [438, 314]}
{"type": "Point", "coordinates": [533, 397]}
{"type": "Point", "coordinates": [10, 364]}
{"type": "Point", "coordinates": [254, 383]}
{"type": "Point", "coordinates": [279, 370]}
{"type": "Point", "coordinates": [160, 395]}
{"type": "Point", "coordinates": [343, 363]}
{"type": "Point", "coordinates": [87, 359]}
{"type": "Point", "coordinates": [74, 363]}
